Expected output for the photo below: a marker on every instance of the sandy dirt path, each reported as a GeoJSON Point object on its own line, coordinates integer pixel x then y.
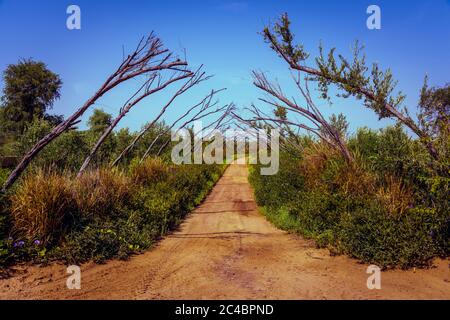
{"type": "Point", "coordinates": [227, 250]}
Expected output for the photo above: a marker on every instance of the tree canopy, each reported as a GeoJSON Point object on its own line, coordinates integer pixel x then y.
{"type": "Point", "coordinates": [352, 77]}
{"type": "Point", "coordinates": [30, 91]}
{"type": "Point", "coordinates": [99, 121]}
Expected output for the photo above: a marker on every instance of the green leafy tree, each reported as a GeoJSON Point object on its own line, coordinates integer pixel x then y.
{"type": "Point", "coordinates": [99, 121]}
{"type": "Point", "coordinates": [123, 138]}
{"type": "Point", "coordinates": [30, 91]}
{"type": "Point", "coordinates": [352, 77]}
{"type": "Point", "coordinates": [66, 153]}
{"type": "Point", "coordinates": [434, 117]}
{"type": "Point", "coordinates": [340, 124]}
{"type": "Point", "coordinates": [365, 142]}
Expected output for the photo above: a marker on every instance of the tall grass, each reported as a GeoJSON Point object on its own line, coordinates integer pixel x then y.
{"type": "Point", "coordinates": [103, 214]}
{"type": "Point", "coordinates": [43, 207]}
{"type": "Point", "coordinates": [149, 171]}
{"type": "Point", "coordinates": [102, 192]}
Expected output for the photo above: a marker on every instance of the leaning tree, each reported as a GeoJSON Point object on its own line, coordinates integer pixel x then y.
{"type": "Point", "coordinates": [203, 106]}
{"type": "Point", "coordinates": [312, 119]}
{"type": "Point", "coordinates": [149, 58]}
{"type": "Point", "coordinates": [207, 109]}
{"type": "Point", "coordinates": [153, 84]}
{"type": "Point", "coordinates": [196, 78]}
{"type": "Point", "coordinates": [351, 78]}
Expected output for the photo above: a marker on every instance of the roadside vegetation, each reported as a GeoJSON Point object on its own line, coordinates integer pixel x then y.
{"type": "Point", "coordinates": [107, 213]}
{"type": "Point", "coordinates": [76, 195]}
{"type": "Point", "coordinates": [388, 207]}
{"type": "Point", "coordinates": [379, 196]}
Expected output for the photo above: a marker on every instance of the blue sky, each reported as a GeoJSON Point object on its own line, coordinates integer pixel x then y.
{"type": "Point", "coordinates": [223, 35]}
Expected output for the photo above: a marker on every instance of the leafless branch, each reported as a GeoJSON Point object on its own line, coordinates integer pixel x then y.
{"type": "Point", "coordinates": [204, 103]}
{"type": "Point", "coordinates": [195, 79]}
{"type": "Point", "coordinates": [224, 111]}
{"type": "Point", "coordinates": [320, 126]}
{"type": "Point", "coordinates": [136, 98]}
{"type": "Point", "coordinates": [142, 61]}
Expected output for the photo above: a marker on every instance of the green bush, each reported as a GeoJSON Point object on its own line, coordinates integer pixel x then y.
{"type": "Point", "coordinates": [66, 152]}
{"type": "Point", "coordinates": [276, 190]}
{"type": "Point", "coordinates": [388, 208]}
{"type": "Point", "coordinates": [111, 215]}
{"type": "Point", "coordinates": [391, 151]}
{"type": "Point", "coordinates": [98, 241]}
{"type": "Point", "coordinates": [4, 207]}
{"type": "Point", "coordinates": [4, 173]}
{"type": "Point", "coordinates": [372, 235]}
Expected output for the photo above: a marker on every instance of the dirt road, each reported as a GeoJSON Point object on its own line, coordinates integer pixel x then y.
{"type": "Point", "coordinates": [227, 250]}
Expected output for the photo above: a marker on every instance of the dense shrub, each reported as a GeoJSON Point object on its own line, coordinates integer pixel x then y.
{"type": "Point", "coordinates": [4, 217]}
{"type": "Point", "coordinates": [153, 209]}
{"type": "Point", "coordinates": [67, 152]}
{"type": "Point", "coordinates": [386, 208]}
{"type": "Point", "coordinates": [4, 221]}
{"type": "Point", "coordinates": [391, 152]}
{"type": "Point", "coordinates": [276, 190]}
{"type": "Point", "coordinates": [4, 173]}
{"type": "Point", "coordinates": [149, 171]}
{"type": "Point", "coordinates": [372, 235]}
{"type": "Point", "coordinates": [103, 214]}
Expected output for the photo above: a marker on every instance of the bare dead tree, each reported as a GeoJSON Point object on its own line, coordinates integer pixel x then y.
{"type": "Point", "coordinates": [318, 125]}
{"type": "Point", "coordinates": [148, 57]}
{"type": "Point", "coordinates": [218, 124]}
{"type": "Point", "coordinates": [205, 104]}
{"type": "Point", "coordinates": [252, 126]}
{"type": "Point", "coordinates": [196, 78]}
{"type": "Point", "coordinates": [286, 127]}
{"type": "Point", "coordinates": [225, 110]}
{"type": "Point", "coordinates": [201, 116]}
{"type": "Point", "coordinates": [144, 91]}
{"type": "Point", "coordinates": [164, 132]}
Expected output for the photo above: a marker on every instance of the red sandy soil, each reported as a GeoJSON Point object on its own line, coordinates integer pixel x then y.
{"type": "Point", "coordinates": [227, 250]}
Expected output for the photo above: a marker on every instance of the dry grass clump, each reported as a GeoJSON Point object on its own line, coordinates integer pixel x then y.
{"type": "Point", "coordinates": [43, 206]}
{"type": "Point", "coordinates": [325, 169]}
{"type": "Point", "coordinates": [395, 196]}
{"type": "Point", "coordinates": [151, 170]}
{"type": "Point", "coordinates": [315, 159]}
{"type": "Point", "coordinates": [47, 204]}
{"type": "Point", "coordinates": [353, 180]}
{"type": "Point", "coordinates": [101, 191]}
